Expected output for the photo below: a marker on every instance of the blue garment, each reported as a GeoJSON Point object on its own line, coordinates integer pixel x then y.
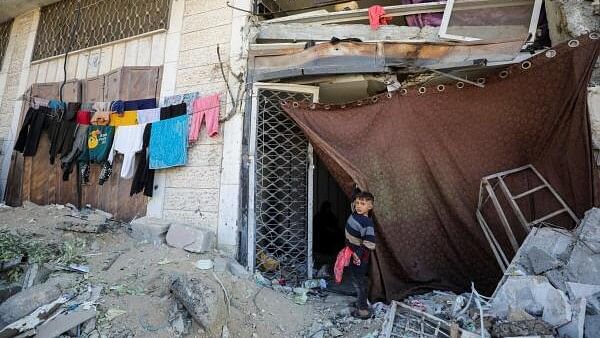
{"type": "Point", "coordinates": [168, 143]}
{"type": "Point", "coordinates": [187, 98]}
{"type": "Point", "coordinates": [139, 104]}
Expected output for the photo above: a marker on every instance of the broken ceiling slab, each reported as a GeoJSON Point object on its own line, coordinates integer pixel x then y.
{"type": "Point", "coordinates": [584, 262]}
{"type": "Point", "coordinates": [320, 32]}
{"type": "Point", "coordinates": [356, 57]}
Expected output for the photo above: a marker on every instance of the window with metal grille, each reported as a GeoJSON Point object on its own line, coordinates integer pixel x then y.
{"type": "Point", "coordinates": [4, 37]}
{"type": "Point", "coordinates": [100, 22]}
{"type": "Point", "coordinates": [281, 189]}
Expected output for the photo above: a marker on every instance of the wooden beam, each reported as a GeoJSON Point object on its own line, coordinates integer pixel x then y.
{"type": "Point", "coordinates": [392, 11]}
{"type": "Point", "coordinates": [275, 48]}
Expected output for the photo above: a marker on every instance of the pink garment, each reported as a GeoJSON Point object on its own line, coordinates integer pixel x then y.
{"type": "Point", "coordinates": [342, 261]}
{"type": "Point", "coordinates": [377, 17]}
{"type": "Point", "coordinates": [205, 107]}
{"type": "Point", "coordinates": [422, 20]}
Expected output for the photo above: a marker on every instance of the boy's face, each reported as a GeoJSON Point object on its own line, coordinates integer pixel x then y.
{"type": "Point", "coordinates": [363, 206]}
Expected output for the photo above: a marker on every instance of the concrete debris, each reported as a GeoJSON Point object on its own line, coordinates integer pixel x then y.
{"type": "Point", "coordinates": [150, 229]}
{"type": "Point", "coordinates": [32, 320]}
{"type": "Point", "coordinates": [113, 313]}
{"type": "Point", "coordinates": [591, 326]}
{"type": "Point", "coordinates": [203, 299]}
{"type": "Point", "coordinates": [82, 226]}
{"type": "Point", "coordinates": [541, 261]}
{"type": "Point", "coordinates": [220, 264]}
{"type": "Point", "coordinates": [189, 238]}
{"type": "Point", "coordinates": [64, 322]}
{"type": "Point", "coordinates": [584, 262]}
{"type": "Point", "coordinates": [574, 329]}
{"type": "Point", "coordinates": [36, 274]}
{"type": "Point", "coordinates": [8, 289]}
{"type": "Point", "coordinates": [204, 264]}
{"type": "Point", "coordinates": [237, 269]}
{"type": "Point", "coordinates": [526, 328]}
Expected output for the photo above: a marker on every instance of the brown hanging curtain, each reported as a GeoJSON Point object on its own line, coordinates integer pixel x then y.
{"type": "Point", "coordinates": [423, 153]}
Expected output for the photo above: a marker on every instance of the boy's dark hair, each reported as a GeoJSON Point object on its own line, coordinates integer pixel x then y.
{"type": "Point", "coordinates": [365, 195]}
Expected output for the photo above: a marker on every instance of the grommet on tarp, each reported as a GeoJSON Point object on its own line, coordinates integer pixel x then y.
{"type": "Point", "coordinates": [481, 80]}
{"type": "Point", "coordinates": [389, 95]}
{"type": "Point", "coordinates": [503, 74]}
{"type": "Point", "coordinates": [550, 53]}
{"type": "Point", "coordinates": [313, 106]}
{"type": "Point", "coordinates": [441, 88]}
{"type": "Point", "coordinates": [359, 103]}
{"type": "Point", "coordinates": [460, 85]}
{"type": "Point", "coordinates": [403, 91]}
{"type": "Point", "coordinates": [573, 43]}
{"type": "Point", "coordinates": [422, 90]}
{"type": "Point", "coordinates": [327, 107]}
{"type": "Point", "coordinates": [594, 35]}
{"type": "Point", "coordinates": [295, 104]}
{"type": "Point", "coordinates": [343, 106]}
{"type": "Point", "coordinates": [526, 65]}
{"type": "Point", "coordinates": [374, 99]}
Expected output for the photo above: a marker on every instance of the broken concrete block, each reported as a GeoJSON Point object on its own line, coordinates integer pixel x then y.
{"type": "Point", "coordinates": [574, 329]}
{"type": "Point", "coordinates": [557, 279]}
{"type": "Point", "coordinates": [588, 291]}
{"type": "Point", "coordinates": [583, 265]}
{"type": "Point", "coordinates": [593, 304]}
{"type": "Point", "coordinates": [591, 326]}
{"type": "Point", "coordinates": [517, 315]}
{"type": "Point", "coordinates": [64, 322]}
{"type": "Point", "coordinates": [525, 292]}
{"type": "Point", "coordinates": [35, 274]}
{"type": "Point", "coordinates": [7, 290]}
{"type": "Point", "coordinates": [541, 261]}
{"type": "Point", "coordinates": [237, 269]}
{"type": "Point", "coordinates": [204, 300]}
{"type": "Point", "coordinates": [150, 229]}
{"type": "Point", "coordinates": [190, 238]}
{"type": "Point", "coordinates": [24, 302]}
{"type": "Point", "coordinates": [534, 328]}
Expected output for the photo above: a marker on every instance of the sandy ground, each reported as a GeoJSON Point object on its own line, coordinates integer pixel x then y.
{"type": "Point", "coordinates": [135, 279]}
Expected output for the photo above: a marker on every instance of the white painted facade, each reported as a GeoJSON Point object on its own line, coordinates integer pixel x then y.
{"type": "Point", "coordinates": [205, 192]}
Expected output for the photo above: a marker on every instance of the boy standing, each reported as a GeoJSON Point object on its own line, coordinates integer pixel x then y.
{"type": "Point", "coordinates": [360, 237]}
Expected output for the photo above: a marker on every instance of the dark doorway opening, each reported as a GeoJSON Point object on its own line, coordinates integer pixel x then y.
{"type": "Point", "coordinates": [332, 208]}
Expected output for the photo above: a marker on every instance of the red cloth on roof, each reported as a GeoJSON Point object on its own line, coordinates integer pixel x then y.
{"type": "Point", "coordinates": [377, 17]}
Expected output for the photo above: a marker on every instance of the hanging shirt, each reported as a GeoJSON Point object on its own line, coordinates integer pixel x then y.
{"type": "Point", "coordinates": [99, 143]}
{"type": "Point", "coordinates": [128, 141]}
{"type": "Point", "coordinates": [84, 116]}
{"type": "Point", "coordinates": [173, 111]}
{"type": "Point", "coordinates": [100, 118]}
{"type": "Point", "coordinates": [31, 130]}
{"type": "Point", "coordinates": [186, 98]}
{"type": "Point", "coordinates": [168, 143]}
{"type": "Point", "coordinates": [139, 104]}
{"type": "Point", "coordinates": [207, 109]}
{"type": "Point", "coordinates": [148, 115]}
{"type": "Point", "coordinates": [79, 145]}
{"type": "Point", "coordinates": [128, 118]}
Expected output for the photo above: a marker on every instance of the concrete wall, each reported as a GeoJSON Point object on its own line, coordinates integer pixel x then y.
{"type": "Point", "coordinates": [204, 193]}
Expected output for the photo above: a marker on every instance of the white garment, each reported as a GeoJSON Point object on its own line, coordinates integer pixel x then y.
{"type": "Point", "coordinates": [148, 115]}
{"type": "Point", "coordinates": [128, 141]}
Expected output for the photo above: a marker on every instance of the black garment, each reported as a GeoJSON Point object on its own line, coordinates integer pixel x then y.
{"type": "Point", "coordinates": [31, 130]}
{"type": "Point", "coordinates": [173, 111]}
{"type": "Point", "coordinates": [61, 135]}
{"type": "Point", "coordinates": [143, 179]}
{"type": "Point", "coordinates": [105, 172]}
{"type": "Point", "coordinates": [78, 147]}
{"type": "Point", "coordinates": [360, 281]}
{"type": "Point", "coordinates": [72, 109]}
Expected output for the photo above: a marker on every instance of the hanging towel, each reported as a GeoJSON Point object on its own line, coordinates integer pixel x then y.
{"type": "Point", "coordinates": [186, 98]}
{"type": "Point", "coordinates": [139, 104]}
{"type": "Point", "coordinates": [168, 143]}
{"type": "Point", "coordinates": [173, 111]}
{"type": "Point", "coordinates": [377, 17]}
{"type": "Point", "coordinates": [128, 118]}
{"type": "Point", "coordinates": [206, 108]}
{"type": "Point", "coordinates": [128, 141]}
{"type": "Point", "coordinates": [148, 115]}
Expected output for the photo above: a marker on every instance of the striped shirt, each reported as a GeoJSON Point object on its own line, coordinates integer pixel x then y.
{"type": "Point", "coordinates": [360, 231]}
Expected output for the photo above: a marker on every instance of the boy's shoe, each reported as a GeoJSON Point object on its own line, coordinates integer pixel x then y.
{"type": "Point", "coordinates": [362, 314]}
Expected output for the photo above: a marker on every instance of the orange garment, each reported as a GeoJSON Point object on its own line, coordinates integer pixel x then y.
{"type": "Point", "coordinates": [100, 118]}
{"type": "Point", "coordinates": [377, 17]}
{"type": "Point", "coordinates": [128, 118]}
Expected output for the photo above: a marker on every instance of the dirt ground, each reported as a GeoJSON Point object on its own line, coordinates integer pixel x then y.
{"type": "Point", "coordinates": [135, 278]}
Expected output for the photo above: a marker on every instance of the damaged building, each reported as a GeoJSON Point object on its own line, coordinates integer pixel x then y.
{"type": "Point", "coordinates": [475, 123]}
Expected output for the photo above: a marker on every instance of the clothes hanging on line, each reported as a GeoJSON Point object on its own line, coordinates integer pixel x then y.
{"type": "Point", "coordinates": [143, 179]}
{"type": "Point", "coordinates": [139, 104]}
{"type": "Point", "coordinates": [127, 118]}
{"type": "Point", "coordinates": [37, 102]}
{"type": "Point", "coordinates": [377, 17]}
{"type": "Point", "coordinates": [186, 98]}
{"type": "Point", "coordinates": [168, 143]}
{"type": "Point", "coordinates": [99, 143]}
{"type": "Point", "coordinates": [31, 131]}
{"type": "Point", "coordinates": [71, 111]}
{"type": "Point", "coordinates": [79, 144]}
{"type": "Point", "coordinates": [128, 140]}
{"type": "Point", "coordinates": [61, 135]}
{"type": "Point", "coordinates": [175, 110]}
{"type": "Point", "coordinates": [84, 117]}
{"type": "Point", "coordinates": [100, 118]}
{"type": "Point", "coordinates": [148, 115]}
{"type": "Point", "coordinates": [207, 109]}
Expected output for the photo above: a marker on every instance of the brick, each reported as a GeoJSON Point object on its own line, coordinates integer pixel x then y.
{"type": "Point", "coordinates": [203, 74]}
{"type": "Point", "coordinates": [192, 199]}
{"type": "Point", "coordinates": [193, 218]}
{"type": "Point", "coordinates": [204, 88]}
{"type": "Point", "coordinates": [208, 19]}
{"type": "Point", "coordinates": [199, 6]}
{"type": "Point", "coordinates": [194, 177]}
{"type": "Point", "coordinates": [207, 37]}
{"type": "Point", "coordinates": [150, 229]}
{"type": "Point", "coordinates": [203, 56]}
{"type": "Point", "coordinates": [201, 155]}
{"type": "Point", "coordinates": [190, 238]}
